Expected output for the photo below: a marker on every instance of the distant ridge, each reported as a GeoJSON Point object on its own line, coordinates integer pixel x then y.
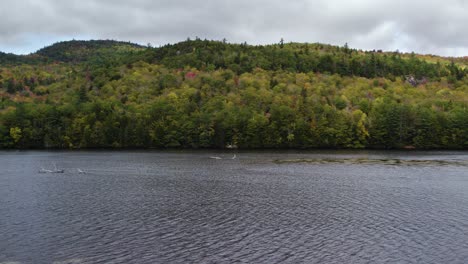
{"type": "Point", "coordinates": [82, 50]}
{"type": "Point", "coordinates": [85, 50]}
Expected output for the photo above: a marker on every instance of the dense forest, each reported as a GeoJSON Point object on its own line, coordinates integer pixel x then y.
{"type": "Point", "coordinates": [211, 94]}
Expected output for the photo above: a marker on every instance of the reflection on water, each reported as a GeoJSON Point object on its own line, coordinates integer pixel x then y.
{"type": "Point", "coordinates": [376, 161]}
{"type": "Point", "coordinates": [263, 207]}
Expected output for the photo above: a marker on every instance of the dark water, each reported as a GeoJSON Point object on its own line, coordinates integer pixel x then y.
{"type": "Point", "coordinates": [265, 207]}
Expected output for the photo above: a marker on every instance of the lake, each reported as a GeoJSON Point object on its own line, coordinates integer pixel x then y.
{"type": "Point", "coordinates": [255, 207]}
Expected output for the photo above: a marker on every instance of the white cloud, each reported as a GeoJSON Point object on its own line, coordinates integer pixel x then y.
{"type": "Point", "coordinates": [423, 26]}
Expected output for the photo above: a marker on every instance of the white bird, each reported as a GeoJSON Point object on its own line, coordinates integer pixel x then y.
{"type": "Point", "coordinates": [214, 157]}
{"type": "Point", "coordinates": [42, 170]}
{"type": "Point", "coordinates": [56, 170]}
{"type": "Point", "coordinates": [234, 157]}
{"type": "Point", "coordinates": [81, 171]}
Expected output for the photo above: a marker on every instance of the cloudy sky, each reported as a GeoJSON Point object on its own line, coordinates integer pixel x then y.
{"type": "Point", "coordinates": [424, 26]}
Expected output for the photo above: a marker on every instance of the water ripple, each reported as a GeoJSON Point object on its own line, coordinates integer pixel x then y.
{"type": "Point", "coordinates": [186, 208]}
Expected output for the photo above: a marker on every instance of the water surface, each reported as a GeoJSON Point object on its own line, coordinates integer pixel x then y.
{"type": "Point", "coordinates": [261, 207]}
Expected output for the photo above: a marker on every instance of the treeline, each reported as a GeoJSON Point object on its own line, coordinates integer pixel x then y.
{"type": "Point", "coordinates": [199, 94]}
{"type": "Point", "coordinates": [295, 57]}
{"type": "Point", "coordinates": [8, 59]}
{"type": "Point", "coordinates": [92, 50]}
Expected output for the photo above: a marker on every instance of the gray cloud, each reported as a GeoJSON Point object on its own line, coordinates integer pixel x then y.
{"type": "Point", "coordinates": [423, 26]}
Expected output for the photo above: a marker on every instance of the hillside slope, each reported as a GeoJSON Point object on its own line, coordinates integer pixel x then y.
{"type": "Point", "coordinates": [79, 51]}
{"type": "Point", "coordinates": [209, 94]}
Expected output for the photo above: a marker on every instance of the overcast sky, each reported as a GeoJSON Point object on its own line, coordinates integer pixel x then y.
{"type": "Point", "coordinates": [424, 26]}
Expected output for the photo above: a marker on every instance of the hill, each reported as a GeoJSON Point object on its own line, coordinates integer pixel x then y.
{"type": "Point", "coordinates": [79, 51]}
{"type": "Point", "coordinates": [209, 94]}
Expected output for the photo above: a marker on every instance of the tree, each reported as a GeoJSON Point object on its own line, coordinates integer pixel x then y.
{"type": "Point", "coordinates": [16, 134]}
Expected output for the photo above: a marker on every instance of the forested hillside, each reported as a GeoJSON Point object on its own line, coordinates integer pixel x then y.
{"type": "Point", "coordinates": [210, 94]}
